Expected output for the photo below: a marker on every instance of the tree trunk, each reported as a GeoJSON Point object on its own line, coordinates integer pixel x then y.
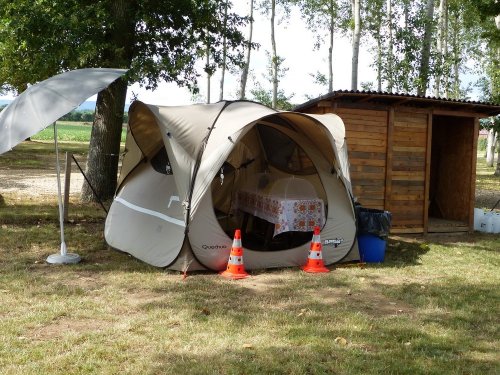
{"type": "Point", "coordinates": [246, 68]}
{"type": "Point", "coordinates": [379, 61]}
{"type": "Point", "coordinates": [446, 64]}
{"type": "Point", "coordinates": [440, 43]}
{"type": "Point", "coordinates": [274, 58]}
{"type": "Point", "coordinates": [423, 76]}
{"type": "Point", "coordinates": [390, 59]}
{"type": "Point", "coordinates": [209, 75]}
{"type": "Point", "coordinates": [224, 54]}
{"type": "Point", "coordinates": [490, 147]}
{"type": "Point", "coordinates": [497, 170]}
{"type": "Point", "coordinates": [104, 148]}
{"type": "Point", "coordinates": [355, 43]}
{"type": "Point", "coordinates": [330, 48]}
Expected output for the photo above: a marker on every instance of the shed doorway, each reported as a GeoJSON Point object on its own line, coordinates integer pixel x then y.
{"type": "Point", "coordinates": [450, 174]}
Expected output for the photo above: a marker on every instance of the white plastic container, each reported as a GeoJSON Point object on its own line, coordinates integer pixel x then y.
{"type": "Point", "coordinates": [488, 222]}
{"type": "Point", "coordinates": [478, 219]}
{"type": "Point", "coordinates": [496, 223]}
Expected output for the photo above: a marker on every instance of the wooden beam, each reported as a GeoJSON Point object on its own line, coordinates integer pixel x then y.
{"type": "Point", "coordinates": [402, 101]}
{"type": "Point", "coordinates": [444, 112]}
{"type": "Point", "coordinates": [324, 103]}
{"type": "Point", "coordinates": [472, 198]}
{"type": "Point", "coordinates": [428, 157]}
{"type": "Point", "coordinates": [388, 160]}
{"type": "Point", "coordinates": [407, 230]}
{"type": "Point", "coordinates": [365, 99]}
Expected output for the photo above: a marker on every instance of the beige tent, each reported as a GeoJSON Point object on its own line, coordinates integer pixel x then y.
{"type": "Point", "coordinates": [193, 174]}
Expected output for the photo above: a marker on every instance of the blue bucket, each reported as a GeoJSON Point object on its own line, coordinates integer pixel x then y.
{"type": "Point", "coordinates": [371, 248]}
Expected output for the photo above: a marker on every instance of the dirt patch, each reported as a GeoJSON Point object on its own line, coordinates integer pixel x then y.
{"type": "Point", "coordinates": [264, 282]}
{"type": "Point", "coordinates": [487, 198]}
{"type": "Point", "coordinates": [66, 326]}
{"type": "Point", "coordinates": [368, 300]}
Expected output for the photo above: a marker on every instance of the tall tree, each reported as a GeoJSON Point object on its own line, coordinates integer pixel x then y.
{"type": "Point", "coordinates": [423, 75]}
{"type": "Point", "coordinates": [246, 66]}
{"type": "Point", "coordinates": [390, 47]}
{"type": "Point", "coordinates": [224, 53]}
{"type": "Point", "coordinates": [441, 45]}
{"type": "Point", "coordinates": [356, 35]}
{"type": "Point", "coordinates": [274, 62]}
{"type": "Point", "coordinates": [269, 8]}
{"type": "Point", "coordinates": [325, 18]}
{"type": "Point", "coordinates": [374, 18]}
{"type": "Point", "coordinates": [155, 40]}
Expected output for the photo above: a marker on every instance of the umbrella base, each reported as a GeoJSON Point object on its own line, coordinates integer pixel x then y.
{"type": "Point", "coordinates": [68, 258]}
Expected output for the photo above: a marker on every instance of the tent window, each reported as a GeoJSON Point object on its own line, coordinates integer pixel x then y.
{"type": "Point", "coordinates": [160, 162]}
{"type": "Point", "coordinates": [283, 153]}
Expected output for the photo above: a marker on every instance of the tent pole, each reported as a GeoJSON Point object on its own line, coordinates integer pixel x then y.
{"type": "Point", "coordinates": [64, 257]}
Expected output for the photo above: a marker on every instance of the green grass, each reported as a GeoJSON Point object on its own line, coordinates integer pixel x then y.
{"type": "Point", "coordinates": [484, 175]}
{"type": "Point", "coordinates": [39, 155]}
{"type": "Point", "coordinates": [69, 132]}
{"type": "Point", "coordinates": [430, 308]}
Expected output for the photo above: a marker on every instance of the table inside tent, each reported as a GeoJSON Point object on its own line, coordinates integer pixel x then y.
{"type": "Point", "coordinates": [290, 204]}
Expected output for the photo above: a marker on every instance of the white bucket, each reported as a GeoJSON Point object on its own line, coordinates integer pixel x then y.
{"type": "Point", "coordinates": [478, 218]}
{"type": "Point", "coordinates": [496, 223]}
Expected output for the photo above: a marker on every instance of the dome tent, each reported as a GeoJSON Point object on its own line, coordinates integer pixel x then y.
{"type": "Point", "coordinates": [173, 208]}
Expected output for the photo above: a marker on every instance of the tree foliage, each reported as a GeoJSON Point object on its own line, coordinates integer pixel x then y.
{"type": "Point", "coordinates": [155, 40]}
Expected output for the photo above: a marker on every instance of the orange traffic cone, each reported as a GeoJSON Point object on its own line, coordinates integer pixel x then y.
{"type": "Point", "coordinates": [235, 268]}
{"type": "Point", "coordinates": [315, 259]}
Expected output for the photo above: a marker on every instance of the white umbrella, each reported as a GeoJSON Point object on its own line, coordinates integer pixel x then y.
{"type": "Point", "coordinates": [43, 104]}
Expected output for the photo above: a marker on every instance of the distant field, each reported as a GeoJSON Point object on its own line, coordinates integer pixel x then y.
{"type": "Point", "coordinates": [69, 132]}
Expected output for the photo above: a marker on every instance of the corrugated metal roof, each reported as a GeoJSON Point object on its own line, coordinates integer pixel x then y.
{"type": "Point", "coordinates": [494, 108]}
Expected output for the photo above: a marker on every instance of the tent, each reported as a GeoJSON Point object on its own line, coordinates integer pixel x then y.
{"type": "Point", "coordinates": [185, 172]}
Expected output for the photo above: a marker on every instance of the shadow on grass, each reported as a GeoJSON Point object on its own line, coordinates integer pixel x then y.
{"type": "Point", "coordinates": [401, 251]}
{"type": "Point", "coordinates": [48, 213]}
{"type": "Point", "coordinates": [303, 332]}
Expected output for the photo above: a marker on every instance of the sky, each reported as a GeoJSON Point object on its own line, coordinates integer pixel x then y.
{"type": "Point", "coordinates": [294, 43]}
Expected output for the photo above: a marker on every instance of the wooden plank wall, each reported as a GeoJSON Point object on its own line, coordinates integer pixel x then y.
{"type": "Point", "coordinates": [366, 133]}
{"type": "Point", "coordinates": [406, 200]}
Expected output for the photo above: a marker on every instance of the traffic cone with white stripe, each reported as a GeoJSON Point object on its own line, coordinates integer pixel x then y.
{"type": "Point", "coordinates": [315, 259]}
{"type": "Point", "coordinates": [235, 268]}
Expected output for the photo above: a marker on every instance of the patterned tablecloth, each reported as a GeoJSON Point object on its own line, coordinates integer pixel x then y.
{"type": "Point", "coordinates": [287, 215]}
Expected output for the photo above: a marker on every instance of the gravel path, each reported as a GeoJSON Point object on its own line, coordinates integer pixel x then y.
{"type": "Point", "coordinates": [43, 183]}
{"type": "Point", "coordinates": [37, 183]}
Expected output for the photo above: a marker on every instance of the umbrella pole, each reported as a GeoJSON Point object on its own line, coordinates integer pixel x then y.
{"type": "Point", "coordinates": [64, 257]}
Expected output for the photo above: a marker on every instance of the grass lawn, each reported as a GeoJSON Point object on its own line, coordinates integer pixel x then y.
{"type": "Point", "coordinates": [431, 308]}
{"type": "Point", "coordinates": [68, 131]}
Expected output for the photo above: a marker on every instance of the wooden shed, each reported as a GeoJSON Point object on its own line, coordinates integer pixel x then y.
{"type": "Point", "coordinates": [413, 156]}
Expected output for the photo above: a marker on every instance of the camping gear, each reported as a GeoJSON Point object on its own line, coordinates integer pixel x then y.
{"type": "Point", "coordinates": [41, 105]}
{"type": "Point", "coordinates": [371, 248]}
{"type": "Point", "coordinates": [315, 259]}
{"type": "Point", "coordinates": [176, 205]}
{"type": "Point", "coordinates": [235, 268]}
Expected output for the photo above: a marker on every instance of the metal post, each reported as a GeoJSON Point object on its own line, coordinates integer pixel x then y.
{"type": "Point", "coordinates": [67, 182]}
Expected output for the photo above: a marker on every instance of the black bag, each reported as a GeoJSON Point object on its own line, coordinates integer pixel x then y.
{"type": "Point", "coordinates": [372, 221]}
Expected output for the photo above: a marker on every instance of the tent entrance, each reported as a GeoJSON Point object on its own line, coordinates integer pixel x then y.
{"type": "Point", "coordinates": [450, 174]}
{"type": "Point", "coordinates": [262, 176]}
